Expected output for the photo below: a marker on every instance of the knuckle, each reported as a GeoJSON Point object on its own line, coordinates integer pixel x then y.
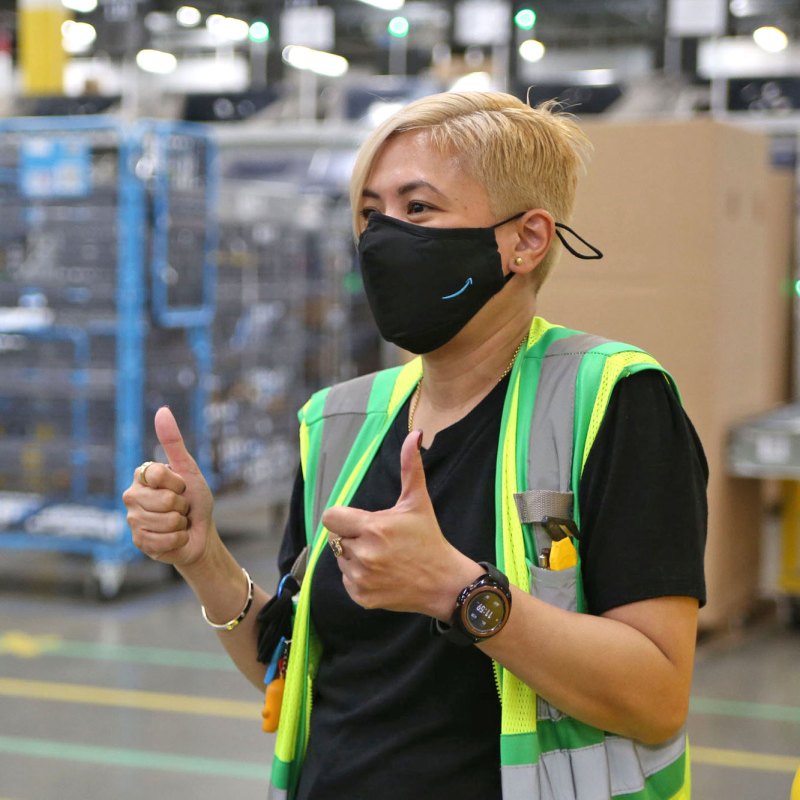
{"type": "Point", "coordinates": [166, 500]}
{"type": "Point", "coordinates": [175, 521]}
{"type": "Point", "coordinates": [367, 601]}
{"type": "Point", "coordinates": [182, 538]}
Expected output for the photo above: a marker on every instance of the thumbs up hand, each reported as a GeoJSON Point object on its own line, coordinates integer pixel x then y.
{"type": "Point", "coordinates": [170, 509]}
{"type": "Point", "coordinates": [398, 559]}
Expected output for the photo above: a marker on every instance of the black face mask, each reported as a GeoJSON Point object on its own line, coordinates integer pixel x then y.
{"type": "Point", "coordinates": [425, 284]}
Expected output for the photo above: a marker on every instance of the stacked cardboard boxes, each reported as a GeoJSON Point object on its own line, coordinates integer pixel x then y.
{"type": "Point", "coordinates": [697, 230]}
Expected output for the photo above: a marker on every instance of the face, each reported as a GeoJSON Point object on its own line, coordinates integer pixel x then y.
{"type": "Point", "coordinates": [412, 182]}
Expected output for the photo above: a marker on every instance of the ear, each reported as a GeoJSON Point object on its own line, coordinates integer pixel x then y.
{"type": "Point", "coordinates": [535, 231]}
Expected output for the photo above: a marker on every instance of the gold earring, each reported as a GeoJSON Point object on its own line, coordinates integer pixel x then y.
{"type": "Point", "coordinates": [518, 261]}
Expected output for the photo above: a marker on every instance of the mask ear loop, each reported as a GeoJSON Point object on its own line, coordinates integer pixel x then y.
{"type": "Point", "coordinates": [595, 252]}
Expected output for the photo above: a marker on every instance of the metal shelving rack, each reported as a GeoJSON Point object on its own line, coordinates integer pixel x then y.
{"type": "Point", "coordinates": [107, 290]}
{"type": "Point", "coordinates": [291, 313]}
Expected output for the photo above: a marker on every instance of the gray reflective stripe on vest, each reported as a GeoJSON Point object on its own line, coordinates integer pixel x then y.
{"type": "Point", "coordinates": [277, 794]}
{"type": "Point", "coordinates": [347, 403]}
{"type": "Point", "coordinates": [551, 434]}
{"type": "Point", "coordinates": [598, 772]}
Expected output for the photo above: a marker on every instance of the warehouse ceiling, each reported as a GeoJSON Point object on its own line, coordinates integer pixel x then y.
{"type": "Point", "coordinates": [565, 22]}
{"type": "Point", "coordinates": [577, 35]}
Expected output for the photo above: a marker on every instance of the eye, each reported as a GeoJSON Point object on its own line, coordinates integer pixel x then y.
{"type": "Point", "coordinates": [365, 213]}
{"type": "Point", "coordinates": [415, 207]}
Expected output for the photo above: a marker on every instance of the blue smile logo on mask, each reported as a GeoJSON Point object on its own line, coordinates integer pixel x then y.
{"type": "Point", "coordinates": [460, 291]}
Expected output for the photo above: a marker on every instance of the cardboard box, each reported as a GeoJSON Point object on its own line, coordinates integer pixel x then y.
{"type": "Point", "coordinates": [696, 227]}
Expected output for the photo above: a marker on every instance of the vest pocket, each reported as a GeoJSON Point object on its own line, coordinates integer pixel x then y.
{"type": "Point", "coordinates": [558, 587]}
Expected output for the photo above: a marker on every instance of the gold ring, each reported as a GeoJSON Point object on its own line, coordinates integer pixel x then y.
{"type": "Point", "coordinates": [142, 472]}
{"type": "Point", "coordinates": [336, 546]}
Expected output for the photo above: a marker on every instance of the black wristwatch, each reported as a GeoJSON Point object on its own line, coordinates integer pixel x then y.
{"type": "Point", "coordinates": [482, 609]}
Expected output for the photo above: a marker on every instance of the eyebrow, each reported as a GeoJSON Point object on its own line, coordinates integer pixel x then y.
{"type": "Point", "coordinates": [406, 188]}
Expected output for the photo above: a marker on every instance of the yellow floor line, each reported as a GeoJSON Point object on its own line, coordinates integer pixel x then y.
{"type": "Point", "coordinates": [128, 698]}
{"type": "Point", "coordinates": [213, 707]}
{"type": "Point", "coordinates": [744, 759]}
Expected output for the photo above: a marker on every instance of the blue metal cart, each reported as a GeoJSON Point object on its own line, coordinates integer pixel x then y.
{"type": "Point", "coordinates": [107, 286]}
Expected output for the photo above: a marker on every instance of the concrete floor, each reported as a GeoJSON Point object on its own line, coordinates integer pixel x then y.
{"type": "Point", "coordinates": [133, 698]}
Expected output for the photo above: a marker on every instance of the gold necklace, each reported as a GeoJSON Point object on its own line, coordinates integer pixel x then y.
{"type": "Point", "coordinates": [418, 390]}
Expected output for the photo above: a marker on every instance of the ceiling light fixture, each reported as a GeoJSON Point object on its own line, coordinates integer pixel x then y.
{"type": "Point", "coordinates": [227, 28]}
{"type": "Point", "coordinates": [771, 39]}
{"type": "Point", "coordinates": [156, 61]}
{"type": "Point", "coordinates": [317, 61]}
{"type": "Point", "coordinates": [187, 16]}
{"type": "Point", "coordinates": [385, 5]}
{"type": "Point", "coordinates": [81, 6]}
{"type": "Point", "coordinates": [77, 37]}
{"type": "Point", "coordinates": [532, 50]}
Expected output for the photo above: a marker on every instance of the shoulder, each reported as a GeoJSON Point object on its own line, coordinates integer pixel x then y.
{"type": "Point", "coordinates": [361, 395]}
{"type": "Point", "coordinates": [341, 398]}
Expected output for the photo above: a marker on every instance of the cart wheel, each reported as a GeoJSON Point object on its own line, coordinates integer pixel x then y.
{"type": "Point", "coordinates": [107, 579]}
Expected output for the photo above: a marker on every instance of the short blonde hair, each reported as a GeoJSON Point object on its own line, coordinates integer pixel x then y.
{"type": "Point", "coordinates": [525, 157]}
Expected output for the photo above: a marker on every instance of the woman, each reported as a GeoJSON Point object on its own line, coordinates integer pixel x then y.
{"type": "Point", "coordinates": [445, 515]}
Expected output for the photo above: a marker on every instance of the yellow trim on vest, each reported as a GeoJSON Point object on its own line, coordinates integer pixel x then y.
{"type": "Point", "coordinates": [539, 327]}
{"type": "Point", "coordinates": [410, 374]}
{"type": "Point", "coordinates": [685, 792]}
{"type": "Point", "coordinates": [518, 699]}
{"type": "Point", "coordinates": [286, 742]}
{"type": "Point", "coordinates": [614, 366]}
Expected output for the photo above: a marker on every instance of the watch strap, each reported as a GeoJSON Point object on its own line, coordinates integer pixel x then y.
{"type": "Point", "coordinates": [454, 632]}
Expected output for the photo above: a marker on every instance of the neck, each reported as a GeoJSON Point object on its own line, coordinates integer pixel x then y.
{"type": "Point", "coordinates": [460, 374]}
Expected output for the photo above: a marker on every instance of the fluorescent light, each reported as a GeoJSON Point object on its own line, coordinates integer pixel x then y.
{"type": "Point", "coordinates": [532, 50]}
{"type": "Point", "coordinates": [188, 16]}
{"type": "Point", "coordinates": [237, 30]}
{"type": "Point", "coordinates": [386, 5]}
{"type": "Point", "coordinates": [77, 37]}
{"type": "Point", "coordinates": [771, 39]}
{"type": "Point", "coordinates": [317, 61]}
{"type": "Point", "coordinates": [228, 29]}
{"type": "Point", "coordinates": [215, 23]}
{"type": "Point", "coordinates": [156, 61]}
{"type": "Point", "coordinates": [739, 8]}
{"type": "Point", "coordinates": [473, 82]}
{"type": "Point", "coordinates": [597, 77]}
{"type": "Point", "coordinates": [81, 6]}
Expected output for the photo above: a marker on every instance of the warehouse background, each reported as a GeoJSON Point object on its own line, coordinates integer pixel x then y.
{"type": "Point", "coordinates": [174, 228]}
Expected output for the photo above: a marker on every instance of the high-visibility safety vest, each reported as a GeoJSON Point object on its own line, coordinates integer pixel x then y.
{"type": "Point", "coordinates": [559, 389]}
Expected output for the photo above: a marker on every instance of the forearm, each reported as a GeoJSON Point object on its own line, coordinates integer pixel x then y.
{"type": "Point", "coordinates": [601, 670]}
{"type": "Point", "coordinates": [220, 585]}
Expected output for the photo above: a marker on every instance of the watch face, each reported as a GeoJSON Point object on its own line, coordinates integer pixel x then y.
{"type": "Point", "coordinates": [485, 612]}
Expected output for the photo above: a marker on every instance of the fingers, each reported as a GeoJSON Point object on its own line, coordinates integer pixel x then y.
{"type": "Point", "coordinates": [158, 522]}
{"type": "Point", "coordinates": [150, 499]}
{"type": "Point", "coordinates": [347, 523]}
{"type": "Point", "coordinates": [159, 545]}
{"type": "Point", "coordinates": [160, 476]}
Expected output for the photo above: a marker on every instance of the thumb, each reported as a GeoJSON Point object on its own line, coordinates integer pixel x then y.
{"type": "Point", "coordinates": [412, 474]}
{"type": "Point", "coordinates": [169, 436]}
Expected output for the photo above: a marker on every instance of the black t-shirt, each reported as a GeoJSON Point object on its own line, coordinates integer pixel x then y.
{"type": "Point", "coordinates": [399, 713]}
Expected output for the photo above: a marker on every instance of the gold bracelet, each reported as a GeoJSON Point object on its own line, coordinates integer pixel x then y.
{"type": "Point", "coordinates": [229, 626]}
